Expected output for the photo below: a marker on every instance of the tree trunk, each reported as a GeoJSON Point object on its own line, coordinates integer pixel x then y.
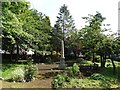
{"type": "Point", "coordinates": [11, 52]}
{"type": "Point", "coordinates": [74, 51]}
{"type": "Point", "coordinates": [17, 53]}
{"type": "Point", "coordinates": [114, 67]}
{"type": "Point", "coordinates": [11, 55]}
{"type": "Point", "coordinates": [102, 61]}
{"type": "Point", "coordinates": [93, 58]}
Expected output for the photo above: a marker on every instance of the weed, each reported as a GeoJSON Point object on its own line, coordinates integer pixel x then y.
{"type": "Point", "coordinates": [73, 71]}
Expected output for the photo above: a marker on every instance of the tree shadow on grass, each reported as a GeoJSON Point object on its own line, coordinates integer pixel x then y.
{"type": "Point", "coordinates": [108, 72]}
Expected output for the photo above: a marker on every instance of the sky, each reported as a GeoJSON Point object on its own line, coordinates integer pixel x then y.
{"type": "Point", "coordinates": [79, 9]}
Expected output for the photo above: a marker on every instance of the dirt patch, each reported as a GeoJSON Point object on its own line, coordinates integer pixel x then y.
{"type": "Point", "coordinates": [44, 83]}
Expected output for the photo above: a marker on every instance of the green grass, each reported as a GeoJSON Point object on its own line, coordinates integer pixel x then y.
{"type": "Point", "coordinates": [7, 69]}
{"type": "Point", "coordinates": [23, 61]}
{"type": "Point", "coordinates": [108, 73]}
{"type": "Point", "coordinates": [108, 70]}
{"type": "Point", "coordinates": [89, 83]}
{"type": "Point", "coordinates": [85, 63]}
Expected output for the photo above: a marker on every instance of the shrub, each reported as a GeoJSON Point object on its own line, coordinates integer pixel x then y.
{"type": "Point", "coordinates": [97, 76]}
{"type": "Point", "coordinates": [19, 73]}
{"type": "Point", "coordinates": [30, 72]}
{"type": "Point", "coordinates": [73, 71]}
{"type": "Point", "coordinates": [16, 75]}
{"type": "Point", "coordinates": [58, 81]}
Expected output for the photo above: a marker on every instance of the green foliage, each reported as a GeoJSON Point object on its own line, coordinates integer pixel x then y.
{"type": "Point", "coordinates": [30, 72]}
{"type": "Point", "coordinates": [103, 79]}
{"type": "Point", "coordinates": [17, 75]}
{"type": "Point", "coordinates": [19, 72]}
{"type": "Point", "coordinates": [38, 25]}
{"type": "Point", "coordinates": [97, 76]}
{"type": "Point", "coordinates": [66, 22]}
{"type": "Point", "coordinates": [8, 69]}
{"type": "Point", "coordinates": [107, 72]}
{"type": "Point", "coordinates": [91, 35]}
{"type": "Point", "coordinates": [12, 27]}
{"type": "Point", "coordinates": [24, 28]}
{"type": "Point", "coordinates": [73, 71]}
{"type": "Point", "coordinates": [85, 62]}
{"type": "Point", "coordinates": [94, 81]}
{"type": "Point", "coordinates": [58, 81]}
{"type": "Point", "coordinates": [8, 66]}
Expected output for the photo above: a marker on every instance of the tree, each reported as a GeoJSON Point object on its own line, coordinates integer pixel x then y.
{"type": "Point", "coordinates": [63, 28]}
{"type": "Point", "coordinates": [39, 26]}
{"type": "Point", "coordinates": [90, 34]}
{"type": "Point", "coordinates": [113, 45]}
{"type": "Point", "coordinates": [24, 28]}
{"type": "Point", "coordinates": [13, 34]}
{"type": "Point", "coordinates": [94, 41]}
{"type": "Point", "coordinates": [74, 43]}
{"type": "Point", "coordinates": [64, 20]}
{"type": "Point", "coordinates": [56, 38]}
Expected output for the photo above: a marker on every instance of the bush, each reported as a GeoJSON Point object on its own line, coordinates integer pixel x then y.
{"type": "Point", "coordinates": [16, 75]}
{"type": "Point", "coordinates": [30, 72]}
{"type": "Point", "coordinates": [97, 76]}
{"type": "Point", "coordinates": [20, 73]}
{"type": "Point", "coordinates": [73, 71]}
{"type": "Point", "coordinates": [59, 81]}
